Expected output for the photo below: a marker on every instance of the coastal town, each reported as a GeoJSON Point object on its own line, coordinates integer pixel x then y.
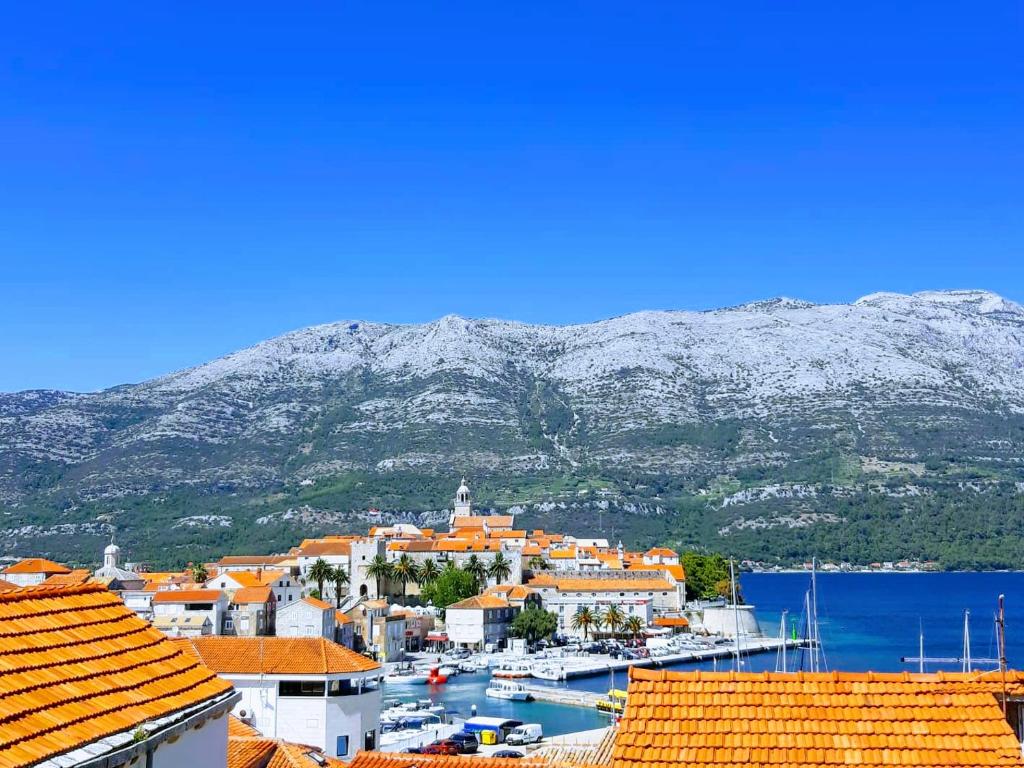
{"type": "Point", "coordinates": [315, 656]}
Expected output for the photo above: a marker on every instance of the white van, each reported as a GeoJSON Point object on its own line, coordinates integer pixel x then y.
{"type": "Point", "coordinates": [527, 733]}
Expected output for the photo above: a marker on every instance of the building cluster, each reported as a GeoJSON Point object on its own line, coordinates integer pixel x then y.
{"type": "Point", "coordinates": [85, 681]}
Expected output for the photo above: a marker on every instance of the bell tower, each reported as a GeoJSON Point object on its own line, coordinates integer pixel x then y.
{"type": "Point", "coordinates": [463, 503]}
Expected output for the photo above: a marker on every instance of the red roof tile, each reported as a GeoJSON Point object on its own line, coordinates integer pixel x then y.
{"type": "Point", "coordinates": [277, 655]}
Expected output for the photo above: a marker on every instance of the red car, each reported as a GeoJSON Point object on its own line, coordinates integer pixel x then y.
{"type": "Point", "coordinates": [442, 747]}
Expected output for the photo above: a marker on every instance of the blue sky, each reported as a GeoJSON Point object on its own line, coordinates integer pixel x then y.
{"type": "Point", "coordinates": [180, 180]}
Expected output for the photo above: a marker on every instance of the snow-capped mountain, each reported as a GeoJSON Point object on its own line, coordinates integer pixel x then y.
{"type": "Point", "coordinates": [690, 394]}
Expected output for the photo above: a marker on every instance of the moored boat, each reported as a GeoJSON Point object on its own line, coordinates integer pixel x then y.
{"type": "Point", "coordinates": [513, 669]}
{"type": "Point", "coordinates": [507, 689]}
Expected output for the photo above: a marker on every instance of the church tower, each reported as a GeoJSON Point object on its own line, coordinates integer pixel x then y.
{"type": "Point", "coordinates": [463, 503]}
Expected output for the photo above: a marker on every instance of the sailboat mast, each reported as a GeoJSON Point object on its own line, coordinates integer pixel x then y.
{"type": "Point", "coordinates": [967, 641]}
{"type": "Point", "coordinates": [920, 646]}
{"type": "Point", "coordinates": [815, 640]}
{"type": "Point", "coordinates": [782, 636]}
{"type": "Point", "coordinates": [735, 612]}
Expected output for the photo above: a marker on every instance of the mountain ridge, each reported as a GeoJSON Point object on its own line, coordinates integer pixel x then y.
{"type": "Point", "coordinates": [703, 404]}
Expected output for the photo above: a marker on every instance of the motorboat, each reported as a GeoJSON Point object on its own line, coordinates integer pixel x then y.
{"type": "Point", "coordinates": [548, 672]}
{"type": "Point", "coordinates": [407, 676]}
{"type": "Point", "coordinates": [507, 689]}
{"type": "Point", "coordinates": [473, 665]}
{"type": "Point", "coordinates": [513, 669]}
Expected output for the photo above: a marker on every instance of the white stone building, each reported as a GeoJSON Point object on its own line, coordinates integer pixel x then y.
{"type": "Point", "coordinates": [307, 689]}
{"type": "Point", "coordinates": [479, 621]}
{"type": "Point", "coordinates": [307, 617]}
{"type": "Point", "coordinates": [190, 609]}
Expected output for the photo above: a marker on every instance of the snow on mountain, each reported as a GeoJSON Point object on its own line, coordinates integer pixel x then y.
{"type": "Point", "coordinates": [354, 393]}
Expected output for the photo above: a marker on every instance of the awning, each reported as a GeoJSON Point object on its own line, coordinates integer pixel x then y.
{"type": "Point", "coordinates": [438, 637]}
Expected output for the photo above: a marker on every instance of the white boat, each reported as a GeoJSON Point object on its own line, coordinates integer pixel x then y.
{"type": "Point", "coordinates": [548, 672]}
{"type": "Point", "coordinates": [473, 665]}
{"type": "Point", "coordinates": [407, 678]}
{"type": "Point", "coordinates": [506, 689]}
{"type": "Point", "coordinates": [511, 669]}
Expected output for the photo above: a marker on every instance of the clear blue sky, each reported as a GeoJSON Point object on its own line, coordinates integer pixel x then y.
{"type": "Point", "coordinates": [178, 180]}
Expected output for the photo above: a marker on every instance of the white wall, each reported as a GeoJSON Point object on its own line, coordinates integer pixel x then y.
{"type": "Point", "coordinates": [300, 619]}
{"type": "Point", "coordinates": [464, 625]}
{"type": "Point", "coordinates": [207, 746]}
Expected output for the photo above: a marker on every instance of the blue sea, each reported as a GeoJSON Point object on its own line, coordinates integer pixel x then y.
{"type": "Point", "coordinates": [868, 621]}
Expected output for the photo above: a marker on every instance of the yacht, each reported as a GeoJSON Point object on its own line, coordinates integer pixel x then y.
{"type": "Point", "coordinates": [551, 671]}
{"type": "Point", "coordinates": [506, 689]}
{"type": "Point", "coordinates": [512, 669]}
{"type": "Point", "coordinates": [407, 677]}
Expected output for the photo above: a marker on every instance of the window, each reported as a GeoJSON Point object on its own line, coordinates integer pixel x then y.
{"type": "Point", "coordinates": [300, 688]}
{"type": "Point", "coordinates": [342, 688]}
{"type": "Point", "coordinates": [228, 623]}
{"type": "Point", "coordinates": [370, 740]}
{"type": "Point", "coordinates": [309, 630]}
{"type": "Point", "coordinates": [341, 748]}
{"type": "Point", "coordinates": [244, 623]}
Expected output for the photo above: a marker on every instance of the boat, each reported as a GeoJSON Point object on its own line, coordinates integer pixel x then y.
{"type": "Point", "coordinates": [473, 665]}
{"type": "Point", "coordinates": [614, 702]}
{"type": "Point", "coordinates": [548, 672]}
{"type": "Point", "coordinates": [513, 669]}
{"type": "Point", "coordinates": [506, 689]}
{"type": "Point", "coordinates": [436, 677]}
{"type": "Point", "coordinates": [407, 676]}
{"type": "Point", "coordinates": [448, 670]}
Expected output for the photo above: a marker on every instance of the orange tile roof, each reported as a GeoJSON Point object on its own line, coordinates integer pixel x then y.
{"type": "Point", "coordinates": [251, 559]}
{"type": "Point", "coordinates": [253, 578]}
{"type": "Point", "coordinates": [320, 548]}
{"type": "Point", "coordinates": [239, 729]}
{"type": "Point", "coordinates": [600, 585]}
{"type": "Point", "coordinates": [261, 752]}
{"type": "Point", "coordinates": [563, 554]}
{"type": "Point", "coordinates": [812, 721]}
{"type": "Point", "coordinates": [77, 576]}
{"type": "Point", "coordinates": [277, 655]}
{"type": "Point", "coordinates": [676, 571]}
{"type": "Point", "coordinates": [508, 534]}
{"type": "Point", "coordinates": [317, 603]}
{"type": "Point", "coordinates": [77, 666]}
{"type": "Point", "coordinates": [402, 760]}
{"type": "Point", "coordinates": [248, 595]}
{"type": "Point", "coordinates": [511, 591]}
{"type": "Point", "coordinates": [531, 549]}
{"type": "Point", "coordinates": [340, 617]}
{"type": "Point", "coordinates": [36, 565]}
{"type": "Point", "coordinates": [468, 521]}
{"type": "Point", "coordinates": [187, 596]}
{"type": "Point", "coordinates": [8, 585]}
{"type": "Point", "coordinates": [661, 552]}
{"type": "Point", "coordinates": [480, 602]}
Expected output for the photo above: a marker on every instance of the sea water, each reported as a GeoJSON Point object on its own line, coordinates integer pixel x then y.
{"type": "Point", "coordinates": [867, 621]}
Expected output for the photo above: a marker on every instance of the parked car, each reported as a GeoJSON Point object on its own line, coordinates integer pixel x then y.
{"type": "Point", "coordinates": [527, 733]}
{"type": "Point", "coordinates": [440, 747]}
{"type": "Point", "coordinates": [508, 753]}
{"type": "Point", "coordinates": [466, 742]}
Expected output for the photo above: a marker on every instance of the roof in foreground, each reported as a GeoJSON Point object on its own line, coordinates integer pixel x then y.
{"type": "Point", "coordinates": [277, 656]}
{"type": "Point", "coordinates": [77, 666]}
{"type": "Point", "coordinates": [260, 752]}
{"type": "Point", "coordinates": [403, 760]}
{"type": "Point", "coordinates": [813, 720]}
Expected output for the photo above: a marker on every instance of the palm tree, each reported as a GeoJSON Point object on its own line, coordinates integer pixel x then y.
{"type": "Point", "coordinates": [584, 619]}
{"type": "Point", "coordinates": [475, 567]}
{"type": "Point", "coordinates": [634, 625]}
{"type": "Point", "coordinates": [321, 572]}
{"type": "Point", "coordinates": [380, 569]}
{"type": "Point", "coordinates": [428, 572]}
{"type": "Point", "coordinates": [500, 569]}
{"type": "Point", "coordinates": [538, 563]}
{"type": "Point", "coordinates": [199, 574]}
{"type": "Point", "coordinates": [405, 570]}
{"type": "Point", "coordinates": [613, 618]}
{"type": "Point", "coordinates": [339, 577]}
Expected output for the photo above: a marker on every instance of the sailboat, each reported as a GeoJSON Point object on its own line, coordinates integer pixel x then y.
{"type": "Point", "coordinates": [965, 661]}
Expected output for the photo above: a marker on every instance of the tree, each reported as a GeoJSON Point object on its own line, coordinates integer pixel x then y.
{"type": "Point", "coordinates": [321, 572]}
{"type": "Point", "coordinates": [613, 618]}
{"type": "Point", "coordinates": [538, 563]}
{"type": "Point", "coordinates": [380, 569]}
{"type": "Point", "coordinates": [451, 586]}
{"type": "Point", "coordinates": [704, 574]}
{"type": "Point", "coordinates": [476, 568]}
{"type": "Point", "coordinates": [199, 574]}
{"type": "Point", "coordinates": [500, 569]}
{"type": "Point", "coordinates": [428, 572]}
{"type": "Point", "coordinates": [339, 577]}
{"type": "Point", "coordinates": [534, 623]}
{"type": "Point", "coordinates": [584, 620]}
{"type": "Point", "coordinates": [634, 625]}
{"type": "Point", "coordinates": [405, 570]}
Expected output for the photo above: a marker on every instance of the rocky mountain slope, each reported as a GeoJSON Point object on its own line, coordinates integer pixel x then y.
{"type": "Point", "coordinates": [701, 426]}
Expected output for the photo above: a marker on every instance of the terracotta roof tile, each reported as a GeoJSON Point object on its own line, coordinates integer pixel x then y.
{"type": "Point", "coordinates": [36, 565]}
{"type": "Point", "coordinates": [277, 655]}
{"type": "Point", "coordinates": [187, 596]}
{"type": "Point", "coordinates": [323, 605]}
{"type": "Point", "coordinates": [575, 584]}
{"type": "Point", "coordinates": [724, 720]}
{"type": "Point", "coordinates": [402, 760]}
{"type": "Point", "coordinates": [251, 559]}
{"type": "Point", "coordinates": [72, 578]}
{"type": "Point", "coordinates": [248, 595]}
{"type": "Point", "coordinates": [321, 548]}
{"type": "Point", "coordinates": [239, 729]}
{"type": "Point", "coordinates": [480, 602]}
{"type": "Point", "coordinates": [77, 666]}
